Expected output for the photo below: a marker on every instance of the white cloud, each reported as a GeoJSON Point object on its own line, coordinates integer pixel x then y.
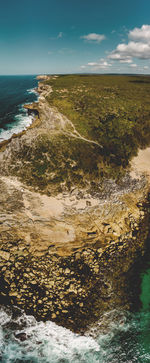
{"type": "Point", "coordinates": [115, 55]}
{"type": "Point", "coordinates": [133, 65]}
{"type": "Point", "coordinates": [126, 54]}
{"type": "Point", "coordinates": [137, 47]}
{"type": "Point", "coordinates": [127, 60]}
{"type": "Point", "coordinates": [96, 66]}
{"type": "Point", "coordinates": [140, 34]}
{"type": "Point", "coordinates": [101, 65]}
{"type": "Point", "coordinates": [92, 64]}
{"type": "Point", "coordinates": [60, 35]}
{"type": "Point", "coordinates": [93, 37]}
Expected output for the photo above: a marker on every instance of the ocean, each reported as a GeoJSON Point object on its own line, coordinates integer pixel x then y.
{"type": "Point", "coordinates": [119, 336]}
{"type": "Point", "coordinates": [15, 91]}
{"type": "Point", "coordinates": [126, 338]}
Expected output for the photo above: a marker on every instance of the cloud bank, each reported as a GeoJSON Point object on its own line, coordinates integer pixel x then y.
{"type": "Point", "coordinates": [137, 47]}
{"type": "Point", "coordinates": [140, 34]}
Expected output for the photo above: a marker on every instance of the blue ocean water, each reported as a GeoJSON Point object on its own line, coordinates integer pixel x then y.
{"type": "Point", "coordinates": [15, 91]}
{"type": "Point", "coordinates": [119, 336]}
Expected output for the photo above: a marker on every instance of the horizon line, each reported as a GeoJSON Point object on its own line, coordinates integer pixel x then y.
{"type": "Point", "coordinates": [75, 73]}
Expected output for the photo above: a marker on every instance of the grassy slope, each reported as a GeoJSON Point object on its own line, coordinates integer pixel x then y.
{"type": "Point", "coordinates": [113, 110]}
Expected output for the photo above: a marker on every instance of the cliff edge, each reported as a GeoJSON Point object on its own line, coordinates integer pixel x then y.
{"type": "Point", "coordinates": [69, 238]}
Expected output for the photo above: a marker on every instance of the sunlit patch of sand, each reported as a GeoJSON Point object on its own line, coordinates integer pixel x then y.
{"type": "Point", "coordinates": [141, 163]}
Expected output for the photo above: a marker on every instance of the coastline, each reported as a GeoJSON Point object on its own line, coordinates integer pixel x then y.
{"type": "Point", "coordinates": [71, 249]}
{"type": "Point", "coordinates": [29, 106]}
{"type": "Point", "coordinates": [14, 134]}
{"type": "Point", "coordinates": [4, 143]}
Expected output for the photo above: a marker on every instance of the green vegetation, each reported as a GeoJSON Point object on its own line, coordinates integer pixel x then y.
{"type": "Point", "coordinates": [53, 162]}
{"type": "Point", "coordinates": [113, 110]}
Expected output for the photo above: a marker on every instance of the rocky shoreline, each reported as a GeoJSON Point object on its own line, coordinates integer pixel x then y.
{"type": "Point", "coordinates": [66, 255]}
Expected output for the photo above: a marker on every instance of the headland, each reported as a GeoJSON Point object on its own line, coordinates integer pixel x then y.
{"type": "Point", "coordinates": [74, 217]}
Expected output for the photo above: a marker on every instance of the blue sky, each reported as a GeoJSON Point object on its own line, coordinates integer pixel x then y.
{"type": "Point", "coordinates": [74, 36]}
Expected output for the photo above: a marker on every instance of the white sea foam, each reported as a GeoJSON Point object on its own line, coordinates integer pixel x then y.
{"type": "Point", "coordinates": [5, 317]}
{"type": "Point", "coordinates": [24, 339]}
{"type": "Point", "coordinates": [32, 90]}
{"type": "Point", "coordinates": [45, 342]}
{"type": "Point", "coordinates": [22, 121]}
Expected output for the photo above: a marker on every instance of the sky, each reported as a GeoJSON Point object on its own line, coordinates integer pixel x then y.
{"type": "Point", "coordinates": [74, 36]}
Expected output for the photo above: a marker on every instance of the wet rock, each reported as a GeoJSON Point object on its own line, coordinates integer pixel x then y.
{"type": "Point", "coordinates": [21, 336]}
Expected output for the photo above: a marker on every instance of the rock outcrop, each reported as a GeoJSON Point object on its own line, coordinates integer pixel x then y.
{"type": "Point", "coordinates": [66, 255]}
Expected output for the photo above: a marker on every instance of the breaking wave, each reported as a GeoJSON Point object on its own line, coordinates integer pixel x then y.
{"type": "Point", "coordinates": [14, 93]}
{"type": "Point", "coordinates": [20, 123]}
{"type": "Point", "coordinates": [118, 337]}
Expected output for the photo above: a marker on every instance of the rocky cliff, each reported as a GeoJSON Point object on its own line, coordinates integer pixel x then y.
{"type": "Point", "coordinates": [68, 245]}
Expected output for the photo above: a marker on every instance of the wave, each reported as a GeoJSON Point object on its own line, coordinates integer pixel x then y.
{"type": "Point", "coordinates": [119, 337]}
{"type": "Point", "coordinates": [21, 122]}
{"type": "Point", "coordinates": [25, 339]}
{"type": "Point", "coordinates": [14, 93]}
{"type": "Point", "coordinates": [32, 90]}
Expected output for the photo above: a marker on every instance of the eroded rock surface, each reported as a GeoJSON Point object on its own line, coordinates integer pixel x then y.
{"type": "Point", "coordinates": [66, 255]}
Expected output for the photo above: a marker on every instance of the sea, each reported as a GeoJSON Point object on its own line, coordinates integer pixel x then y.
{"type": "Point", "coordinates": [15, 91]}
{"type": "Point", "coordinates": [118, 336]}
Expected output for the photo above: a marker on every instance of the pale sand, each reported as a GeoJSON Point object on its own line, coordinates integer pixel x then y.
{"type": "Point", "coordinates": [63, 223]}
{"type": "Point", "coordinates": [140, 164]}
{"type": "Point", "coordinates": [43, 220]}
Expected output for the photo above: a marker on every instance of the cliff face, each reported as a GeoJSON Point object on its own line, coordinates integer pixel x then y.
{"type": "Point", "coordinates": [67, 245]}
